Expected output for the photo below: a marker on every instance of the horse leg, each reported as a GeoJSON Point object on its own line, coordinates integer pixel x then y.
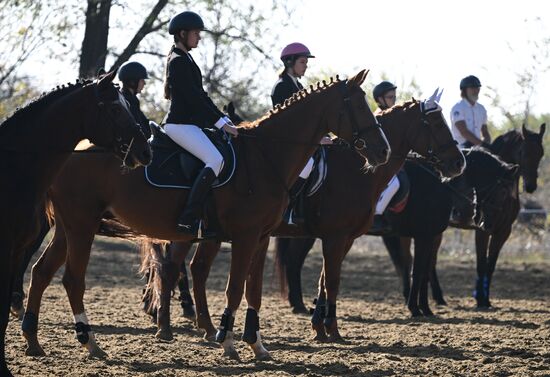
{"type": "Point", "coordinates": [334, 251]}
{"type": "Point", "coordinates": [185, 298]}
{"type": "Point", "coordinates": [6, 252]}
{"type": "Point", "coordinates": [296, 257]}
{"type": "Point", "coordinates": [437, 293]}
{"type": "Point", "coordinates": [242, 252]}
{"type": "Point", "coordinates": [251, 333]}
{"type": "Point", "coordinates": [482, 242]}
{"type": "Point", "coordinates": [168, 274]}
{"type": "Point", "coordinates": [399, 250]}
{"type": "Point", "coordinates": [430, 245]}
{"type": "Point", "coordinates": [79, 242]}
{"type": "Point", "coordinates": [42, 273]}
{"type": "Point", "coordinates": [419, 274]}
{"type": "Point", "coordinates": [18, 293]}
{"type": "Point", "coordinates": [200, 269]}
{"type": "Point", "coordinates": [319, 311]}
{"type": "Point", "coordinates": [497, 242]}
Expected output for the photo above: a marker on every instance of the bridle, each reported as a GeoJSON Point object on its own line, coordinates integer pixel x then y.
{"type": "Point", "coordinates": [359, 141]}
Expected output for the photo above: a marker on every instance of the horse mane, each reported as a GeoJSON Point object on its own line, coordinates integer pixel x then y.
{"type": "Point", "coordinates": [290, 103]}
{"type": "Point", "coordinates": [485, 152]}
{"type": "Point", "coordinates": [38, 104]}
{"type": "Point", "coordinates": [398, 109]}
{"type": "Point", "coordinates": [511, 137]}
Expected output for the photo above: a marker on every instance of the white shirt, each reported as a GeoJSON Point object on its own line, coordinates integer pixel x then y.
{"type": "Point", "coordinates": [473, 115]}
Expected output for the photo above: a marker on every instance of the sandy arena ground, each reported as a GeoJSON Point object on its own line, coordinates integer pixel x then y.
{"type": "Point", "coordinates": [381, 339]}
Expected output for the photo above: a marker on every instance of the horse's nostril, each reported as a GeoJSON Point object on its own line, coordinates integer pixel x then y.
{"type": "Point", "coordinates": [459, 164]}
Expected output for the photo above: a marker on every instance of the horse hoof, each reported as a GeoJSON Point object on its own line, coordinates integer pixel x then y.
{"type": "Point", "coordinates": [210, 336]}
{"type": "Point", "coordinates": [300, 310]}
{"type": "Point", "coordinates": [427, 313]}
{"type": "Point", "coordinates": [231, 354]}
{"type": "Point", "coordinates": [35, 350]}
{"type": "Point", "coordinates": [165, 335]}
{"type": "Point", "coordinates": [263, 356]}
{"type": "Point", "coordinates": [320, 337]}
{"type": "Point", "coordinates": [97, 353]}
{"type": "Point", "coordinates": [335, 338]}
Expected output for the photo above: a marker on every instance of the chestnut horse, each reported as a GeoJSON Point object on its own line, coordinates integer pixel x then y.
{"type": "Point", "coordinates": [35, 142]}
{"type": "Point", "coordinates": [341, 211]}
{"type": "Point", "coordinates": [271, 153]}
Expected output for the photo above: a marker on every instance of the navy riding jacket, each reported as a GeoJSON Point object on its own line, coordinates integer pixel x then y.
{"type": "Point", "coordinates": [135, 109]}
{"type": "Point", "coordinates": [284, 88]}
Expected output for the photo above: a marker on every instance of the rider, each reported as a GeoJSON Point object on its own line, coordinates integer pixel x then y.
{"type": "Point", "coordinates": [385, 96]}
{"type": "Point", "coordinates": [469, 117]}
{"type": "Point", "coordinates": [191, 109]}
{"type": "Point", "coordinates": [295, 58]}
{"type": "Point", "coordinates": [469, 128]}
{"type": "Point", "coordinates": [133, 76]}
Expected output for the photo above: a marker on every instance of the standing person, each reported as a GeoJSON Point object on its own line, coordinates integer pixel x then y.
{"type": "Point", "coordinates": [469, 117]}
{"type": "Point", "coordinates": [295, 57]}
{"type": "Point", "coordinates": [385, 96]}
{"type": "Point", "coordinates": [133, 76]}
{"type": "Point", "coordinates": [191, 109]}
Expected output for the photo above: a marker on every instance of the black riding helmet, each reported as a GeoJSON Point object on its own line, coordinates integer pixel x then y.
{"type": "Point", "coordinates": [185, 21]}
{"type": "Point", "coordinates": [470, 82]}
{"type": "Point", "coordinates": [132, 71]}
{"type": "Point", "coordinates": [382, 88]}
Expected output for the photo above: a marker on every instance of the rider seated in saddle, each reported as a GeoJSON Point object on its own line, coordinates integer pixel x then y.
{"type": "Point", "coordinates": [295, 58]}
{"type": "Point", "coordinates": [133, 76]}
{"type": "Point", "coordinates": [385, 96]}
{"type": "Point", "coordinates": [191, 110]}
{"type": "Point", "coordinates": [469, 120]}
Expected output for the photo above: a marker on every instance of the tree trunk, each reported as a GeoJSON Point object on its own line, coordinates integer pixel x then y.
{"type": "Point", "coordinates": [94, 45]}
{"type": "Point", "coordinates": [146, 28]}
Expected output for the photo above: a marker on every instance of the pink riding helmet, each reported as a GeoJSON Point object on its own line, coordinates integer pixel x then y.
{"type": "Point", "coordinates": [295, 49]}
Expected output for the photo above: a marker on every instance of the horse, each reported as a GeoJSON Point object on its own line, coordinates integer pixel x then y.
{"type": "Point", "coordinates": [524, 148]}
{"type": "Point", "coordinates": [426, 216]}
{"type": "Point", "coordinates": [36, 140]}
{"type": "Point", "coordinates": [341, 210]}
{"type": "Point", "coordinates": [271, 152]}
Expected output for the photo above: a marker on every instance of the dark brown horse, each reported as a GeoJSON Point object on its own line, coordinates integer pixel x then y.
{"type": "Point", "coordinates": [523, 148]}
{"type": "Point", "coordinates": [271, 153]}
{"type": "Point", "coordinates": [35, 142]}
{"type": "Point", "coordinates": [342, 210]}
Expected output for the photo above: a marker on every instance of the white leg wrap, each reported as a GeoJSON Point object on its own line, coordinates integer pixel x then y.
{"type": "Point", "coordinates": [306, 171]}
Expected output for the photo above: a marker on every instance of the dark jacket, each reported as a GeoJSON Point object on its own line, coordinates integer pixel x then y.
{"type": "Point", "coordinates": [283, 89]}
{"type": "Point", "coordinates": [190, 104]}
{"type": "Point", "coordinates": [135, 109]}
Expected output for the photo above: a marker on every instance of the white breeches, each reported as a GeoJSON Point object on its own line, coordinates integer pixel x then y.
{"type": "Point", "coordinates": [387, 194]}
{"type": "Point", "coordinates": [306, 171]}
{"type": "Point", "coordinates": [192, 139]}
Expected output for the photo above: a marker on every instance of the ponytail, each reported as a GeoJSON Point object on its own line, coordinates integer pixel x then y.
{"type": "Point", "coordinates": [177, 38]}
{"type": "Point", "coordinates": [166, 84]}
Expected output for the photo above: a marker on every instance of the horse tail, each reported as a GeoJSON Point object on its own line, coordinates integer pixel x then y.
{"type": "Point", "coordinates": [152, 258]}
{"type": "Point", "coordinates": [48, 210]}
{"type": "Point", "coordinates": [111, 227]}
{"type": "Point", "coordinates": [281, 263]}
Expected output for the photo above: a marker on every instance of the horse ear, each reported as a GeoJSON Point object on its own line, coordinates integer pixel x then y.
{"type": "Point", "coordinates": [230, 108]}
{"type": "Point", "coordinates": [542, 129]}
{"type": "Point", "coordinates": [358, 78]}
{"type": "Point", "coordinates": [107, 78]}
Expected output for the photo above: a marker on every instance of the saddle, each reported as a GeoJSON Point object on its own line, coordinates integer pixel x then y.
{"type": "Point", "coordinates": [174, 167]}
{"type": "Point", "coordinates": [401, 197]}
{"type": "Point", "coordinates": [318, 174]}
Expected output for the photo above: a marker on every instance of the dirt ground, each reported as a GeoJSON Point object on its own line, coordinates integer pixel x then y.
{"type": "Point", "coordinates": [381, 339]}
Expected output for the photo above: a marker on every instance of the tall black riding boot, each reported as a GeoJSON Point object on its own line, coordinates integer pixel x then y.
{"type": "Point", "coordinates": [294, 213]}
{"type": "Point", "coordinates": [189, 221]}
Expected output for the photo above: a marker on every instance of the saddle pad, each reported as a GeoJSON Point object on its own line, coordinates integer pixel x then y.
{"type": "Point", "coordinates": [174, 167]}
{"type": "Point", "coordinates": [401, 197]}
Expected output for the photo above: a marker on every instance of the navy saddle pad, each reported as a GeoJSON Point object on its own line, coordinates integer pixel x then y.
{"type": "Point", "coordinates": [174, 167]}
